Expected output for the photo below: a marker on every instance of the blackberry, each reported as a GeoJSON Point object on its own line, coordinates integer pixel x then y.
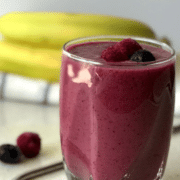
{"type": "Point", "coordinates": [142, 56]}
{"type": "Point", "coordinates": [10, 153]}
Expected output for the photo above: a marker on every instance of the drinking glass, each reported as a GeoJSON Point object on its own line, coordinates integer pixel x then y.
{"type": "Point", "coordinates": [115, 117]}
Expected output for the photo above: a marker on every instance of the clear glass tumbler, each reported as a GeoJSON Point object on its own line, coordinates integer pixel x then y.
{"type": "Point", "coordinates": [115, 118]}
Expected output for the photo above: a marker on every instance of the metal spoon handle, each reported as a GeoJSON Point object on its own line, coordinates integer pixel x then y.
{"type": "Point", "coordinates": [41, 171]}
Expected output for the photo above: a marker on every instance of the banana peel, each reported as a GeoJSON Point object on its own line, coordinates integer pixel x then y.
{"type": "Point", "coordinates": [38, 63]}
{"type": "Point", "coordinates": [32, 41]}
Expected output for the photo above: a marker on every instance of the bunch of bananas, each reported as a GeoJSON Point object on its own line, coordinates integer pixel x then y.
{"type": "Point", "coordinates": [32, 41]}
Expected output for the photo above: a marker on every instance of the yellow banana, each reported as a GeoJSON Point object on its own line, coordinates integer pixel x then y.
{"type": "Point", "coordinates": [53, 29]}
{"type": "Point", "coordinates": [33, 40]}
{"type": "Point", "coordinates": [41, 63]}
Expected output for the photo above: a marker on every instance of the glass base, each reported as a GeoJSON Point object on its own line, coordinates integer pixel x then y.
{"type": "Point", "coordinates": [70, 176]}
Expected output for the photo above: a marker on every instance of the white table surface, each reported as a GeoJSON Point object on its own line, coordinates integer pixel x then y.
{"type": "Point", "coordinates": [16, 118]}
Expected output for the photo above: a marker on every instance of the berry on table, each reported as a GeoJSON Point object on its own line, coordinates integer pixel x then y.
{"type": "Point", "coordinates": [29, 144]}
{"type": "Point", "coordinates": [10, 153]}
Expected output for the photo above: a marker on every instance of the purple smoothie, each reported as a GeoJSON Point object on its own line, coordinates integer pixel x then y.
{"type": "Point", "coordinates": [115, 120]}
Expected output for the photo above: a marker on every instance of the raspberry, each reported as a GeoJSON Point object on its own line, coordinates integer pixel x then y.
{"type": "Point", "coordinates": [128, 46]}
{"type": "Point", "coordinates": [10, 153]}
{"type": "Point", "coordinates": [29, 144]}
{"type": "Point", "coordinates": [142, 56]}
{"type": "Point", "coordinates": [113, 55]}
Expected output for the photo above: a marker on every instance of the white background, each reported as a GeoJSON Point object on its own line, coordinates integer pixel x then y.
{"type": "Point", "coordinates": [161, 15]}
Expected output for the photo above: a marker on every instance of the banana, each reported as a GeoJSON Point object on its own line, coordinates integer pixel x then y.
{"type": "Point", "coordinates": [53, 29]}
{"type": "Point", "coordinates": [38, 63]}
{"type": "Point", "coordinates": [32, 41]}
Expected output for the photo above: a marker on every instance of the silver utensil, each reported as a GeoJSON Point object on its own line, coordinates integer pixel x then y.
{"type": "Point", "coordinates": [41, 171]}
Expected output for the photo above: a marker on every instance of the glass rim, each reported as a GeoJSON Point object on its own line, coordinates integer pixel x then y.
{"type": "Point", "coordinates": [154, 42]}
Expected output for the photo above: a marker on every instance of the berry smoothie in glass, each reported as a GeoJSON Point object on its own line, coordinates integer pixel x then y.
{"type": "Point", "coordinates": [116, 107]}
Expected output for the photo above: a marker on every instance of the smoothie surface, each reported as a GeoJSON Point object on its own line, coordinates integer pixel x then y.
{"type": "Point", "coordinates": [93, 51]}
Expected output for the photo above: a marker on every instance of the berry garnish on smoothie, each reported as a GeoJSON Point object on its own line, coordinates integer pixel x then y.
{"type": "Point", "coordinates": [127, 49]}
{"type": "Point", "coordinates": [111, 54]}
{"type": "Point", "coordinates": [128, 46]}
{"type": "Point", "coordinates": [143, 56]}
